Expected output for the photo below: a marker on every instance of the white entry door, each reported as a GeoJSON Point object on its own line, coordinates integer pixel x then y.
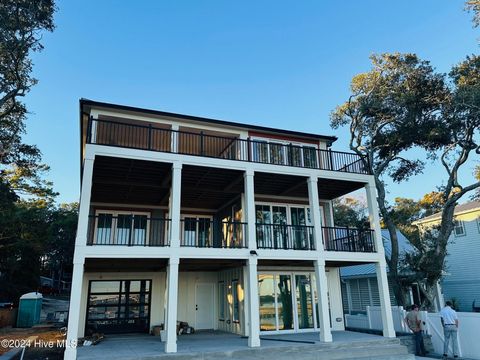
{"type": "Point", "coordinates": [204, 306]}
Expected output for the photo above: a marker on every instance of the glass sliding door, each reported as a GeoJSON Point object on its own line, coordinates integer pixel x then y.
{"type": "Point", "coordinates": [287, 302]}
{"type": "Point", "coordinates": [304, 301]}
{"type": "Point", "coordinates": [266, 291]}
{"type": "Point", "coordinates": [280, 236]}
{"type": "Point", "coordinates": [299, 231]}
{"type": "Point", "coordinates": [263, 220]}
{"type": "Point", "coordinates": [196, 231]}
{"type": "Point", "coordinates": [284, 302]}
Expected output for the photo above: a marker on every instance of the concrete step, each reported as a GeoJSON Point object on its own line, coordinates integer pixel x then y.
{"type": "Point", "coordinates": [306, 352]}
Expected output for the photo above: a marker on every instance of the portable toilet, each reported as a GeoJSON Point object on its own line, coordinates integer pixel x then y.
{"type": "Point", "coordinates": [29, 309]}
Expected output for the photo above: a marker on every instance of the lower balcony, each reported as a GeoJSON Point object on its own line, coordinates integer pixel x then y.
{"type": "Point", "coordinates": [285, 237]}
{"type": "Point", "coordinates": [128, 230]}
{"type": "Point", "coordinates": [348, 239]}
{"type": "Point", "coordinates": [207, 233]}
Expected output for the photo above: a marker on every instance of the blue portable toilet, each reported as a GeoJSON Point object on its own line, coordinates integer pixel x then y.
{"type": "Point", "coordinates": [29, 309]}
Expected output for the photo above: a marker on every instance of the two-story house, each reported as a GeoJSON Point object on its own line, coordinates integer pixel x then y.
{"type": "Point", "coordinates": [223, 225]}
{"type": "Point", "coordinates": [461, 279]}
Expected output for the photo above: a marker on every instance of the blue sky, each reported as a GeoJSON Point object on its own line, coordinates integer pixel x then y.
{"type": "Point", "coordinates": [283, 64]}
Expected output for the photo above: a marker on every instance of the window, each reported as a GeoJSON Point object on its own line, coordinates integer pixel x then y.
{"type": "Point", "coordinates": [459, 228]}
{"type": "Point", "coordinates": [236, 302]}
{"type": "Point", "coordinates": [121, 228]}
{"type": "Point", "coordinates": [196, 231]}
{"type": "Point", "coordinates": [284, 153]}
{"type": "Point", "coordinates": [221, 300]}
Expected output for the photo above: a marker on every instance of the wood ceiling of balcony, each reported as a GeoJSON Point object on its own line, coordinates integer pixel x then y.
{"type": "Point", "coordinates": [210, 188]}
{"type": "Point", "coordinates": [129, 265]}
{"type": "Point", "coordinates": [296, 186]}
{"type": "Point", "coordinates": [125, 265]}
{"type": "Point", "coordinates": [128, 181]}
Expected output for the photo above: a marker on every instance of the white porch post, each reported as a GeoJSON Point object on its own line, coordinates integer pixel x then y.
{"type": "Point", "coordinates": [250, 208]}
{"type": "Point", "coordinates": [175, 203]}
{"type": "Point", "coordinates": [381, 266]}
{"type": "Point", "coordinates": [171, 305]}
{"type": "Point", "coordinates": [320, 275]}
{"type": "Point", "coordinates": [387, 317]}
{"type": "Point", "coordinates": [314, 203]}
{"type": "Point", "coordinates": [374, 217]}
{"type": "Point", "coordinates": [253, 303]}
{"type": "Point", "coordinates": [323, 311]}
{"type": "Point", "coordinates": [79, 260]}
{"type": "Point", "coordinates": [174, 139]}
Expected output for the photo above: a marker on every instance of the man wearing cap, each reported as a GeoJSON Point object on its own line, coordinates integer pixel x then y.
{"type": "Point", "coordinates": [450, 329]}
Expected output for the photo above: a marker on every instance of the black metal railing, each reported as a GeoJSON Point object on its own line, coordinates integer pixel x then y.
{"type": "Point", "coordinates": [128, 230]}
{"type": "Point", "coordinates": [206, 233]}
{"type": "Point", "coordinates": [148, 137]}
{"type": "Point", "coordinates": [286, 237]}
{"type": "Point", "coordinates": [348, 239]}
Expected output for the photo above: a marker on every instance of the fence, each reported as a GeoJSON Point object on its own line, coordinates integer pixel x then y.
{"type": "Point", "coordinates": [469, 327]}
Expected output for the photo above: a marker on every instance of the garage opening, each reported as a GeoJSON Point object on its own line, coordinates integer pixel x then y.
{"type": "Point", "coordinates": [118, 306]}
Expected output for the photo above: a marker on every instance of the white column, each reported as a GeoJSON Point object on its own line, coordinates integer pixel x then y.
{"type": "Point", "coordinates": [175, 203]}
{"type": "Point", "coordinates": [78, 259]}
{"type": "Point", "coordinates": [386, 307]}
{"type": "Point", "coordinates": [246, 302]}
{"type": "Point", "coordinates": [322, 292]}
{"type": "Point", "coordinates": [172, 302]}
{"type": "Point", "coordinates": [174, 140]}
{"type": "Point", "coordinates": [314, 203]}
{"type": "Point", "coordinates": [250, 208]}
{"type": "Point", "coordinates": [253, 303]}
{"type": "Point", "coordinates": [374, 217]}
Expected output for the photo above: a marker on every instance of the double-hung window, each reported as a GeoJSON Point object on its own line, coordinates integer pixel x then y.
{"type": "Point", "coordinates": [459, 229]}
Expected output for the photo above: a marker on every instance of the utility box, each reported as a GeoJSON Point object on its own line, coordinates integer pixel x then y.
{"type": "Point", "coordinates": [29, 309]}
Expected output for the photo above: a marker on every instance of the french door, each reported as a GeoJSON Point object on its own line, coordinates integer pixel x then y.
{"type": "Point", "coordinates": [282, 226]}
{"type": "Point", "coordinates": [196, 231]}
{"type": "Point", "coordinates": [287, 302]}
{"type": "Point", "coordinates": [121, 228]}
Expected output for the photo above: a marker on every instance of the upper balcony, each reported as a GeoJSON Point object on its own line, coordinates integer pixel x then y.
{"type": "Point", "coordinates": [214, 144]}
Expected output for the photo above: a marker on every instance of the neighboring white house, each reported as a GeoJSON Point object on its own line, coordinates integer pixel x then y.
{"type": "Point", "coordinates": [461, 281]}
{"type": "Point", "coordinates": [223, 225]}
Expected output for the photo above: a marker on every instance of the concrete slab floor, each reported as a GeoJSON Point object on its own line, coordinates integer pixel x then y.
{"type": "Point", "coordinates": [118, 347]}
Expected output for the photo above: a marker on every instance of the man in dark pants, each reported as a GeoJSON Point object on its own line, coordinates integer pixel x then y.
{"type": "Point", "coordinates": [414, 323]}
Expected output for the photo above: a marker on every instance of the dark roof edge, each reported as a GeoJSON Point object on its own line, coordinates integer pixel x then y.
{"type": "Point", "coordinates": [84, 102]}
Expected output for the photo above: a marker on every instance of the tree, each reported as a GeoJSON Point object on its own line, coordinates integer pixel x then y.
{"type": "Point", "coordinates": [349, 212]}
{"type": "Point", "coordinates": [461, 118]}
{"type": "Point", "coordinates": [474, 6]}
{"type": "Point", "coordinates": [393, 108]}
{"type": "Point", "coordinates": [59, 247]}
{"type": "Point", "coordinates": [21, 25]}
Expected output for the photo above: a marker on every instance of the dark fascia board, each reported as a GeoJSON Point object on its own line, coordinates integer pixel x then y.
{"type": "Point", "coordinates": [92, 103]}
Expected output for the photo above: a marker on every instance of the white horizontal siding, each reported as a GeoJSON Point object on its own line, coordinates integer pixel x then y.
{"type": "Point", "coordinates": [462, 281]}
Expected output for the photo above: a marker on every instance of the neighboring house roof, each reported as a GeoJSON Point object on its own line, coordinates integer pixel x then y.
{"type": "Point", "coordinates": [459, 209]}
{"type": "Point", "coordinates": [404, 246]}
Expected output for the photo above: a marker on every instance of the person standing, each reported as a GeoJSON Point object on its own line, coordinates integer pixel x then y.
{"type": "Point", "coordinates": [450, 329]}
{"type": "Point", "coordinates": [414, 322]}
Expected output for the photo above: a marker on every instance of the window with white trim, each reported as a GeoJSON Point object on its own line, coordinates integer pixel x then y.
{"type": "Point", "coordinates": [284, 153]}
{"type": "Point", "coordinates": [459, 229]}
{"type": "Point", "coordinates": [114, 227]}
